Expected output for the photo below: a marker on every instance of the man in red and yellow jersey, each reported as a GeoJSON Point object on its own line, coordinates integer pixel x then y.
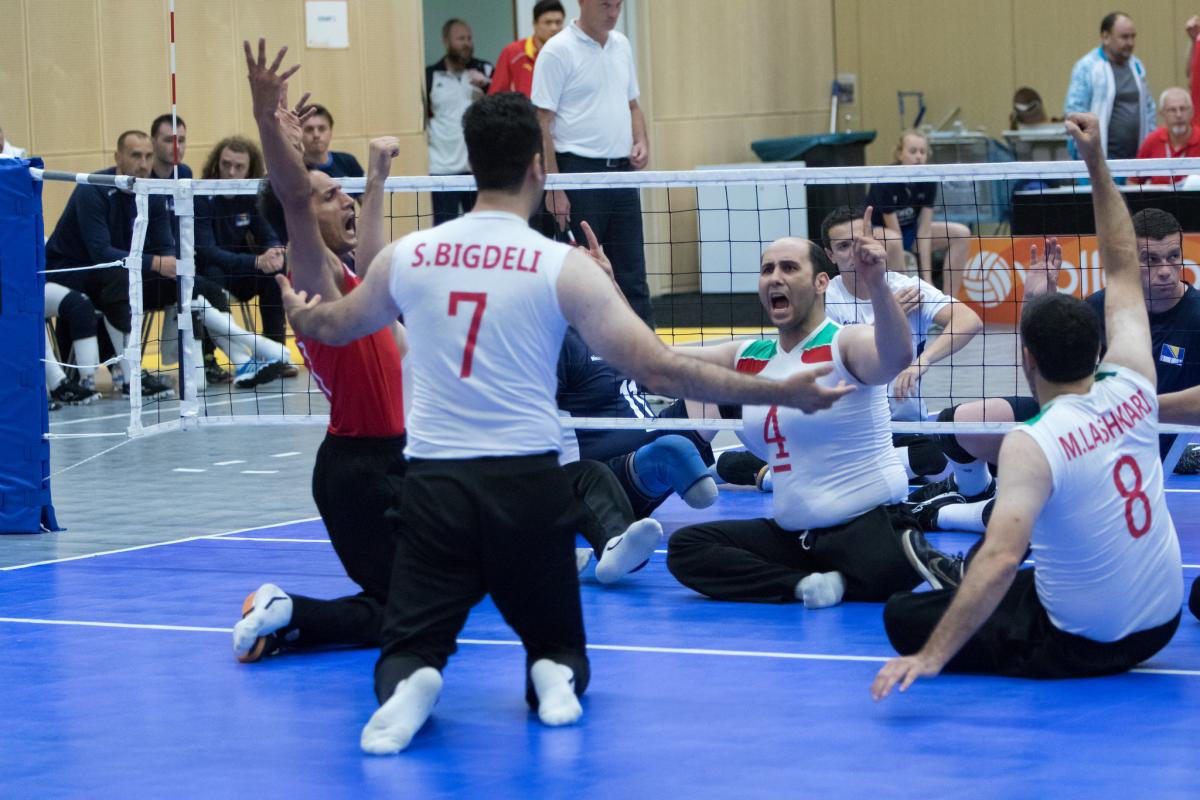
{"type": "Point", "coordinates": [514, 67]}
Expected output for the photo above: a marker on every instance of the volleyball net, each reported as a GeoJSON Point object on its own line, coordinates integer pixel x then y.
{"type": "Point", "coordinates": [224, 347]}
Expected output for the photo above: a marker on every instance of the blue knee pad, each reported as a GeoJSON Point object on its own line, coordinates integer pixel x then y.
{"type": "Point", "coordinates": [669, 463]}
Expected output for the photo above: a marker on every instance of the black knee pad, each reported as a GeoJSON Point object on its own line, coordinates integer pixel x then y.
{"type": "Point", "coordinates": [925, 455]}
{"type": "Point", "coordinates": [950, 446]}
{"type": "Point", "coordinates": [79, 313]}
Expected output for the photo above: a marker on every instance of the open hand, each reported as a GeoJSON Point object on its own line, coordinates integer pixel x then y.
{"type": "Point", "coordinates": [805, 393]}
{"type": "Point", "coordinates": [903, 671]}
{"type": "Point", "coordinates": [906, 383]}
{"type": "Point", "coordinates": [296, 305]}
{"type": "Point", "coordinates": [1042, 275]}
{"type": "Point", "coordinates": [268, 86]}
{"type": "Point", "coordinates": [909, 299]}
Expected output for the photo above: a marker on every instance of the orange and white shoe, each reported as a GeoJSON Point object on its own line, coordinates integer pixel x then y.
{"type": "Point", "coordinates": [264, 611]}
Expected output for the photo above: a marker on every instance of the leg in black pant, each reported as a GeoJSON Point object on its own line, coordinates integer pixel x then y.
{"type": "Point", "coordinates": [503, 526]}
{"type": "Point", "coordinates": [357, 484]}
{"type": "Point", "coordinates": [867, 552]}
{"type": "Point", "coordinates": [608, 512]}
{"type": "Point", "coordinates": [750, 560]}
{"type": "Point", "coordinates": [451, 205]}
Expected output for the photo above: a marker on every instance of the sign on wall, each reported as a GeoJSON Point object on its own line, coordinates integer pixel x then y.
{"type": "Point", "coordinates": [994, 277]}
{"type": "Point", "coordinates": [327, 24]}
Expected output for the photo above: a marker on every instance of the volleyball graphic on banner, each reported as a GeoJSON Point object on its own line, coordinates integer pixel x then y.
{"type": "Point", "coordinates": [988, 279]}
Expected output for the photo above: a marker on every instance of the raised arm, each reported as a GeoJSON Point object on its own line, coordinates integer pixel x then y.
{"type": "Point", "coordinates": [876, 353]}
{"type": "Point", "coordinates": [1180, 408]}
{"type": "Point", "coordinates": [1125, 319]}
{"type": "Point", "coordinates": [1020, 498]}
{"type": "Point", "coordinates": [372, 233]}
{"type": "Point", "coordinates": [278, 128]}
{"type": "Point", "coordinates": [591, 304]}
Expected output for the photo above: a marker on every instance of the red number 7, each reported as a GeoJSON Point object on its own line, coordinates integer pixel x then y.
{"type": "Point", "coordinates": [480, 301]}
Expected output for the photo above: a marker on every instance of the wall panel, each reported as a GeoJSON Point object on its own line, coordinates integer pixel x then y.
{"type": "Point", "coordinates": [64, 78]}
{"type": "Point", "coordinates": [211, 73]}
{"type": "Point", "coordinates": [14, 87]}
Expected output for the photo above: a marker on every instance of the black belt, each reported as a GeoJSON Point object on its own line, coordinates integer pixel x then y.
{"type": "Point", "coordinates": [605, 163]}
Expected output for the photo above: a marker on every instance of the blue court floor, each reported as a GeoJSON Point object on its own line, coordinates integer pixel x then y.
{"type": "Point", "coordinates": [117, 680]}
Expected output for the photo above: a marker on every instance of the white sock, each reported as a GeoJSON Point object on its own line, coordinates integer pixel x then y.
{"type": "Point", "coordinates": [821, 589]}
{"type": "Point", "coordinates": [962, 517]}
{"type": "Point", "coordinates": [87, 355]}
{"type": "Point", "coordinates": [118, 342]}
{"type": "Point", "coordinates": [395, 723]}
{"type": "Point", "coordinates": [624, 552]}
{"type": "Point", "coordinates": [226, 333]}
{"type": "Point", "coordinates": [702, 493]}
{"type": "Point", "coordinates": [54, 373]}
{"type": "Point", "coordinates": [270, 611]}
{"type": "Point", "coordinates": [971, 478]}
{"type": "Point", "coordinates": [555, 687]}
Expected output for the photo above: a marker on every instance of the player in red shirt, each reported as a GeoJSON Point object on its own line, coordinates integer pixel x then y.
{"type": "Point", "coordinates": [514, 67]}
{"type": "Point", "coordinates": [360, 466]}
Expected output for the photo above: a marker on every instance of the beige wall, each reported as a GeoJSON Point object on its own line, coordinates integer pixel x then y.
{"type": "Point", "coordinates": [976, 54]}
{"type": "Point", "coordinates": [75, 73]}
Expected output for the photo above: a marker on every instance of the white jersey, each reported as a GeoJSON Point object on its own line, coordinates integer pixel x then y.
{"type": "Point", "coordinates": [480, 304]}
{"type": "Point", "coordinates": [1108, 561]}
{"type": "Point", "coordinates": [830, 466]}
{"type": "Point", "coordinates": [843, 307]}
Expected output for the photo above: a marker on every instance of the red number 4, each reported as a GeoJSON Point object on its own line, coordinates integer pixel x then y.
{"type": "Point", "coordinates": [772, 435]}
{"type": "Point", "coordinates": [480, 301]}
{"type": "Point", "coordinates": [1132, 495]}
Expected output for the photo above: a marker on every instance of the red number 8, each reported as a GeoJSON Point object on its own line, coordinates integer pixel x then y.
{"type": "Point", "coordinates": [1131, 495]}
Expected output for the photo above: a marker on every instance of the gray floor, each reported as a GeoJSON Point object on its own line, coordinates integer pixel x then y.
{"type": "Point", "coordinates": [252, 475]}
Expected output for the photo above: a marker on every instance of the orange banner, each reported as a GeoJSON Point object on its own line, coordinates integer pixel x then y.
{"type": "Point", "coordinates": [993, 280]}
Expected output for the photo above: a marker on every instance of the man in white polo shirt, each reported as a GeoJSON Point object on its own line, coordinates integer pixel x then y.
{"type": "Point", "coordinates": [585, 89]}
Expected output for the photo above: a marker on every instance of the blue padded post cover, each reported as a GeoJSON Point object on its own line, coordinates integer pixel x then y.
{"type": "Point", "coordinates": [24, 418]}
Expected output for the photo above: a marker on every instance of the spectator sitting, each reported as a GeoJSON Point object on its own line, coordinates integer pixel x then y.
{"type": "Point", "coordinates": [78, 313]}
{"type": "Point", "coordinates": [1028, 111]}
{"type": "Point", "coordinates": [1110, 82]}
{"type": "Point", "coordinates": [8, 149]}
{"type": "Point", "coordinates": [234, 244]}
{"type": "Point", "coordinates": [514, 68]}
{"type": "Point", "coordinates": [452, 84]}
{"type": "Point", "coordinates": [168, 153]}
{"type": "Point", "coordinates": [318, 134]}
{"type": "Point", "coordinates": [905, 210]}
{"type": "Point", "coordinates": [1177, 138]}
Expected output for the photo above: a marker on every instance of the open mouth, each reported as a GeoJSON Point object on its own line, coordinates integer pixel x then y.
{"type": "Point", "coordinates": [779, 301]}
{"type": "Point", "coordinates": [351, 224]}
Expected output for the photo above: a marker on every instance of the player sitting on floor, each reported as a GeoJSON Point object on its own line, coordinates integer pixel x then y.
{"type": "Point", "coordinates": [1082, 483]}
{"type": "Point", "coordinates": [837, 531]}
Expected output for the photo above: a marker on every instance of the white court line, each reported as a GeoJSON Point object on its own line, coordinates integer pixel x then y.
{"type": "Point", "coordinates": [155, 544]}
{"type": "Point", "coordinates": [230, 461]}
{"type": "Point", "coordinates": [224, 538]}
{"type": "Point", "coordinates": [621, 648]}
{"type": "Point", "coordinates": [188, 469]}
{"type": "Point", "coordinates": [285, 455]}
{"type": "Point", "coordinates": [1183, 491]}
{"type": "Point", "coordinates": [173, 405]}
{"type": "Point", "coordinates": [260, 472]}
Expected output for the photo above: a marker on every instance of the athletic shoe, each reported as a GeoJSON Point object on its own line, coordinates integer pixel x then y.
{"type": "Point", "coordinates": [255, 373]}
{"type": "Point", "coordinates": [1189, 462]}
{"type": "Point", "coordinates": [764, 481]}
{"type": "Point", "coordinates": [153, 388]}
{"type": "Point", "coordinates": [739, 467]}
{"type": "Point", "coordinates": [629, 551]}
{"type": "Point", "coordinates": [927, 512]}
{"type": "Point", "coordinates": [54, 406]}
{"type": "Point", "coordinates": [213, 373]}
{"type": "Point", "coordinates": [950, 486]}
{"type": "Point", "coordinates": [938, 569]}
{"type": "Point", "coordinates": [289, 371]}
{"type": "Point", "coordinates": [264, 611]}
{"type": "Point", "coordinates": [70, 393]}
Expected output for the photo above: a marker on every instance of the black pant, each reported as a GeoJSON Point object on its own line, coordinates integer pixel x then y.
{"type": "Point", "coordinates": [356, 483]}
{"type": "Point", "coordinates": [1019, 640]}
{"type": "Point", "coordinates": [606, 506]}
{"type": "Point", "coordinates": [245, 287]}
{"type": "Point", "coordinates": [450, 205]}
{"type": "Point", "coordinates": [473, 527]}
{"type": "Point", "coordinates": [615, 216]}
{"type": "Point", "coordinates": [758, 561]}
{"type": "Point", "coordinates": [108, 289]}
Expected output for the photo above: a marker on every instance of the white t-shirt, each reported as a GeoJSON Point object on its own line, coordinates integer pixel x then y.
{"type": "Point", "coordinates": [450, 94]}
{"type": "Point", "coordinates": [480, 304]}
{"type": "Point", "coordinates": [10, 150]}
{"type": "Point", "coordinates": [842, 306]}
{"type": "Point", "coordinates": [589, 88]}
{"type": "Point", "coordinates": [830, 466]}
{"type": "Point", "coordinates": [1108, 561]}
